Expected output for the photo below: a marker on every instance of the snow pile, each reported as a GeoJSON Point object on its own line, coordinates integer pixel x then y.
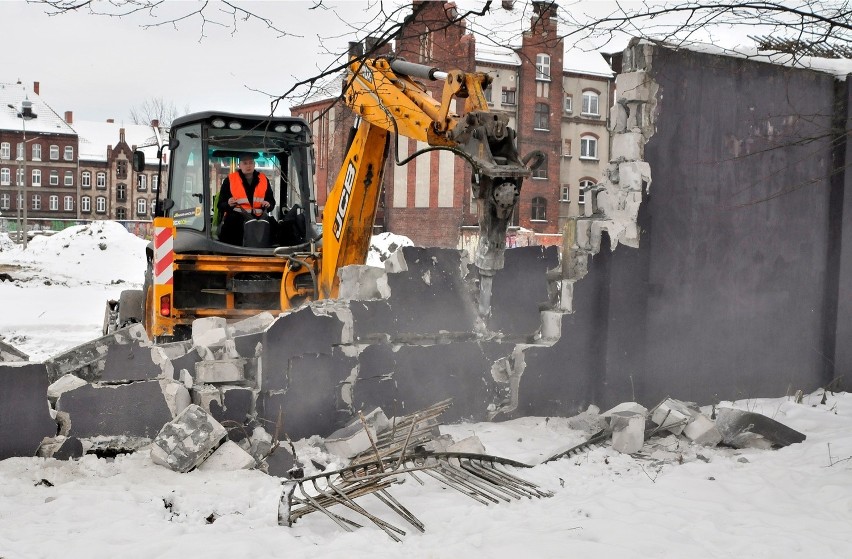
{"type": "Point", "coordinates": [99, 252]}
{"type": "Point", "coordinates": [673, 499]}
{"type": "Point", "coordinates": [6, 244]}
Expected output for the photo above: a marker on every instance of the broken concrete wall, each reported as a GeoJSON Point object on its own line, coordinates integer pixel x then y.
{"type": "Point", "coordinates": [24, 412]}
{"type": "Point", "coordinates": [840, 235]}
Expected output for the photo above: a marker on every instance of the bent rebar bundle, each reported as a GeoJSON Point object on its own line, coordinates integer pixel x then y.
{"type": "Point", "coordinates": [482, 477]}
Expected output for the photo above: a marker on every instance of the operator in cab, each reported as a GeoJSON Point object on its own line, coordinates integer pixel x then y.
{"type": "Point", "coordinates": [244, 195]}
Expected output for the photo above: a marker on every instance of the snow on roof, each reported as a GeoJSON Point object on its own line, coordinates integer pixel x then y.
{"type": "Point", "coordinates": [46, 120]}
{"type": "Point", "coordinates": [96, 136]}
{"type": "Point", "coordinates": [585, 62]}
{"type": "Point", "coordinates": [497, 55]}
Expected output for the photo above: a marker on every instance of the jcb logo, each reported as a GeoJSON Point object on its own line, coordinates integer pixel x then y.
{"type": "Point", "coordinates": [344, 201]}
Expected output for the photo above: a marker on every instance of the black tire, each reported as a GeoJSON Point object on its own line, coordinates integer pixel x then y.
{"type": "Point", "coordinates": [131, 307]}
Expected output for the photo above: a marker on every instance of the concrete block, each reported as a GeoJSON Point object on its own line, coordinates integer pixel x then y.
{"type": "Point", "coordinates": [551, 326]}
{"type": "Point", "coordinates": [138, 409]}
{"type": "Point", "coordinates": [672, 415]}
{"type": "Point", "coordinates": [131, 362]}
{"type": "Point", "coordinates": [362, 283]}
{"type": "Point", "coordinates": [209, 330]}
{"type": "Point", "coordinates": [64, 384]}
{"type": "Point", "coordinates": [234, 410]}
{"type": "Point", "coordinates": [632, 175]}
{"type": "Point", "coordinates": [204, 395]}
{"type": "Point", "coordinates": [228, 458]}
{"type": "Point", "coordinates": [631, 407]}
{"type": "Point", "coordinates": [61, 448]}
{"type": "Point", "coordinates": [87, 360]}
{"type": "Point", "coordinates": [24, 411]}
{"type": "Point", "coordinates": [743, 429]}
{"type": "Point", "coordinates": [628, 146]}
{"type": "Point", "coordinates": [628, 431]}
{"type": "Point", "coordinates": [9, 353]}
{"type": "Point", "coordinates": [633, 86]}
{"type": "Point", "coordinates": [260, 444]}
{"type": "Point", "coordinates": [226, 370]}
{"type": "Point", "coordinates": [183, 443]}
{"type": "Point", "coordinates": [176, 395]}
{"type": "Point", "coordinates": [702, 430]}
{"type": "Point", "coordinates": [251, 325]}
{"type": "Point", "coordinates": [355, 437]}
{"type": "Point", "coordinates": [185, 362]}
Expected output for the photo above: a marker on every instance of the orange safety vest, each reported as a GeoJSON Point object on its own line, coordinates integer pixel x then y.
{"type": "Point", "coordinates": [238, 191]}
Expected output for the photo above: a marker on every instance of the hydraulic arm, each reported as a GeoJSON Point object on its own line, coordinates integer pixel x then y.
{"type": "Point", "coordinates": [388, 99]}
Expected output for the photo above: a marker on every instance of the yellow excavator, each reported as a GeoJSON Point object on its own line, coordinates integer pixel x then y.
{"type": "Point", "coordinates": [193, 274]}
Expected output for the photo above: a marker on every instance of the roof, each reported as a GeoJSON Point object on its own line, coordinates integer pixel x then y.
{"type": "Point", "coordinates": [576, 61]}
{"type": "Point", "coordinates": [46, 121]}
{"type": "Point", "coordinates": [94, 138]}
{"type": "Point", "coordinates": [497, 55]}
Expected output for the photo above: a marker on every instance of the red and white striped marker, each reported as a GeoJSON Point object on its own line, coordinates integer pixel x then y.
{"type": "Point", "coordinates": [164, 254]}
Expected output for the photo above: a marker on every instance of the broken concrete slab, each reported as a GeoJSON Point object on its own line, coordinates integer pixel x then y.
{"type": "Point", "coordinates": [469, 445]}
{"type": "Point", "coordinates": [87, 360]}
{"type": "Point", "coordinates": [210, 330]}
{"type": "Point", "coordinates": [251, 325]}
{"type": "Point", "coordinates": [233, 409]}
{"type": "Point", "coordinates": [130, 362]}
{"type": "Point", "coordinates": [744, 429]}
{"type": "Point", "coordinates": [61, 448]}
{"type": "Point", "coordinates": [672, 415]}
{"type": "Point", "coordinates": [631, 407]}
{"type": "Point", "coordinates": [184, 442]}
{"type": "Point", "coordinates": [24, 411]}
{"type": "Point", "coordinates": [515, 313]}
{"type": "Point", "coordinates": [279, 462]}
{"type": "Point", "coordinates": [628, 431]}
{"type": "Point", "coordinates": [227, 458]}
{"type": "Point", "coordinates": [138, 409]}
{"type": "Point", "coordinates": [185, 362]}
{"type": "Point", "coordinates": [358, 436]}
{"type": "Point", "coordinates": [362, 283]}
{"type": "Point", "coordinates": [702, 430]}
{"type": "Point", "coordinates": [220, 371]}
{"type": "Point", "coordinates": [64, 384]}
{"type": "Point", "coordinates": [9, 353]}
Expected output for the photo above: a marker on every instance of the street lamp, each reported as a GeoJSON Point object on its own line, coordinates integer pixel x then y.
{"type": "Point", "coordinates": [25, 115]}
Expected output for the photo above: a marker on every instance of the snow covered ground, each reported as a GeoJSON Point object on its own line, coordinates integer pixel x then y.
{"type": "Point", "coordinates": [671, 500]}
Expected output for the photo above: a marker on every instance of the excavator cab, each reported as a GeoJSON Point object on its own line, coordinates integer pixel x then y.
{"type": "Point", "coordinates": [204, 150]}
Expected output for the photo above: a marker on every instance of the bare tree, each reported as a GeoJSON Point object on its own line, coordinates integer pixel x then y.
{"type": "Point", "coordinates": [156, 109]}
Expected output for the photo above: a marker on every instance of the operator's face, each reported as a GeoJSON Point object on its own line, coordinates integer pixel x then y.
{"type": "Point", "coordinates": [246, 166]}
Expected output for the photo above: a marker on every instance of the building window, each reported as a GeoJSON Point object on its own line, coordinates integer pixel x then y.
{"type": "Point", "coordinates": [542, 67]}
{"type": "Point", "coordinates": [541, 117]}
{"type": "Point", "coordinates": [121, 169]}
{"type": "Point", "coordinates": [565, 193]}
{"type": "Point", "coordinates": [68, 153]}
{"type": "Point", "coordinates": [155, 183]}
{"type": "Point", "coordinates": [69, 203]}
{"type": "Point", "coordinates": [36, 201]}
{"type": "Point", "coordinates": [121, 192]}
{"type": "Point", "coordinates": [121, 213]}
{"type": "Point", "coordinates": [5, 176]}
{"type": "Point", "coordinates": [507, 97]}
{"type": "Point", "coordinates": [141, 206]}
{"type": "Point", "coordinates": [86, 179]}
{"type": "Point", "coordinates": [585, 185]}
{"type": "Point", "coordinates": [566, 148]}
{"type": "Point", "coordinates": [100, 205]}
{"type": "Point", "coordinates": [588, 147]}
{"type": "Point", "coordinates": [36, 149]}
{"type": "Point", "coordinates": [36, 177]}
{"type": "Point", "coordinates": [54, 153]}
{"type": "Point", "coordinates": [487, 94]}
{"type": "Point", "coordinates": [5, 150]}
{"type": "Point", "coordinates": [69, 178]}
{"type": "Point", "coordinates": [20, 151]}
{"type": "Point", "coordinates": [101, 180]}
{"type": "Point", "coordinates": [590, 103]}
{"type": "Point", "coordinates": [5, 201]}
{"type": "Point", "coordinates": [141, 182]}
{"type": "Point", "coordinates": [85, 204]}
{"type": "Point", "coordinates": [541, 172]}
{"type": "Point", "coordinates": [569, 103]}
{"type": "Point", "coordinates": [539, 209]}
{"type": "Point", "coordinates": [54, 178]}
{"type": "Point", "coordinates": [54, 203]}
{"type": "Point", "coordinates": [19, 177]}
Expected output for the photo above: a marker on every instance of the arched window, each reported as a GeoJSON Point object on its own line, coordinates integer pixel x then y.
{"type": "Point", "coordinates": [539, 209]}
{"type": "Point", "coordinates": [541, 117]}
{"type": "Point", "coordinates": [86, 204]}
{"type": "Point", "coordinates": [86, 179]}
{"type": "Point", "coordinates": [54, 153]}
{"type": "Point", "coordinates": [121, 192]}
{"type": "Point", "coordinates": [585, 185]}
{"type": "Point", "coordinates": [121, 213]}
{"type": "Point", "coordinates": [100, 205]}
{"type": "Point", "coordinates": [141, 206]}
{"type": "Point", "coordinates": [588, 147]}
{"type": "Point", "coordinates": [590, 103]}
{"type": "Point", "coordinates": [542, 67]}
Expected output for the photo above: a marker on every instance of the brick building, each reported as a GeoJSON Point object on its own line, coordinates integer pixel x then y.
{"type": "Point", "coordinates": [71, 170]}
{"type": "Point", "coordinates": [555, 99]}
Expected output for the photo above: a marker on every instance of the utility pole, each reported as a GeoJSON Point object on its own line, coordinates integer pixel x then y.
{"type": "Point", "coordinates": [25, 114]}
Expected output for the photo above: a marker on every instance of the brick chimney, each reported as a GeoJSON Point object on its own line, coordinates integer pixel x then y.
{"type": "Point", "coordinates": [35, 87]}
{"type": "Point", "coordinates": [110, 121]}
{"type": "Point", "coordinates": [121, 134]}
{"type": "Point", "coordinates": [69, 117]}
{"type": "Point", "coordinates": [155, 123]}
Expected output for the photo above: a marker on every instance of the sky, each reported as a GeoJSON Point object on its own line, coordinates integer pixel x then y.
{"type": "Point", "coordinates": [672, 499]}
